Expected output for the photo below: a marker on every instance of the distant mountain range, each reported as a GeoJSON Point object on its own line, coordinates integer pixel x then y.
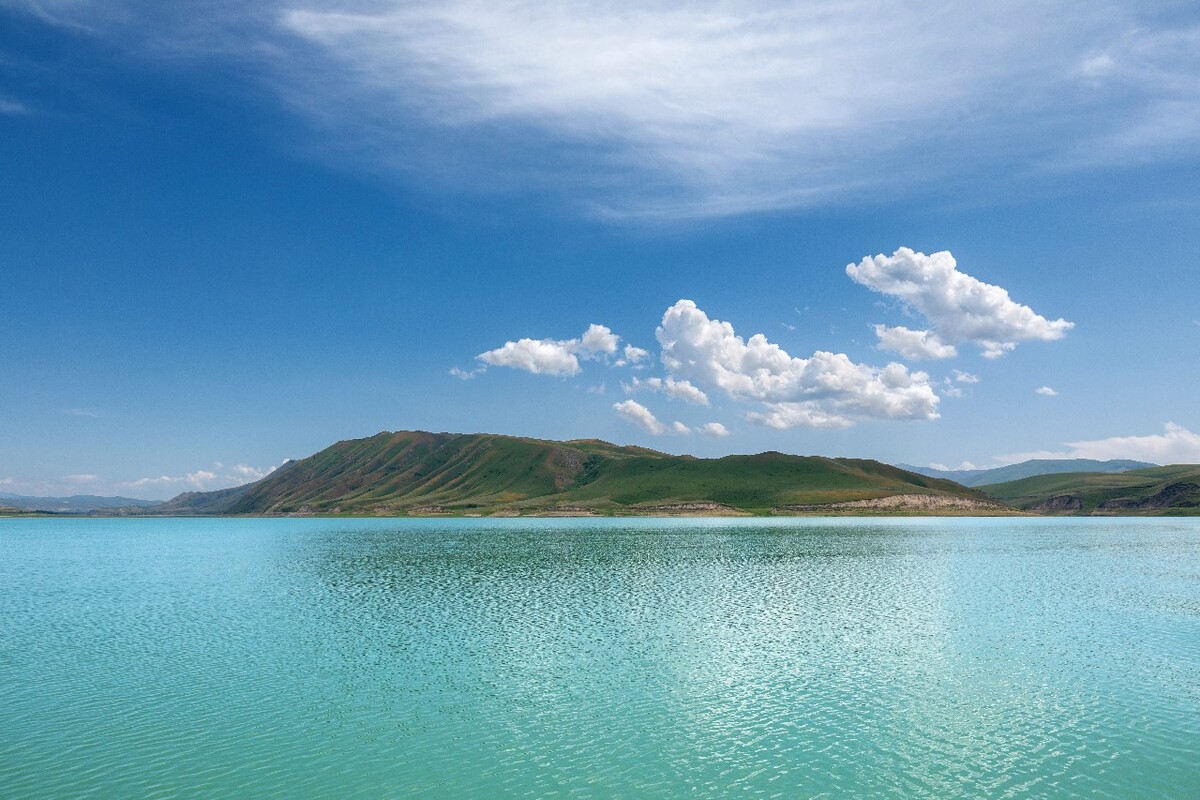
{"type": "Point", "coordinates": [419, 473]}
{"type": "Point", "coordinates": [75, 504]}
{"type": "Point", "coordinates": [1027, 469]}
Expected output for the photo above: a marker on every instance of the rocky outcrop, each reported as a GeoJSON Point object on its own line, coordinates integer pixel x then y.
{"type": "Point", "coordinates": [1174, 495]}
{"type": "Point", "coordinates": [1061, 503]}
{"type": "Point", "coordinates": [902, 503]}
{"type": "Point", "coordinates": [689, 509]}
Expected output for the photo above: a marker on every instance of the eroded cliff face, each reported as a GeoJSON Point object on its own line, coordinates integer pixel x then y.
{"type": "Point", "coordinates": [1175, 495]}
{"type": "Point", "coordinates": [1062, 503]}
{"type": "Point", "coordinates": [903, 502]}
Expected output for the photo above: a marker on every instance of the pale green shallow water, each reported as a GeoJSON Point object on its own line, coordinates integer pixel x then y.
{"type": "Point", "coordinates": [599, 658]}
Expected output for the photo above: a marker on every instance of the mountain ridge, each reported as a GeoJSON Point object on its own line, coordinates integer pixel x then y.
{"type": "Point", "coordinates": [1028, 469]}
{"type": "Point", "coordinates": [421, 473]}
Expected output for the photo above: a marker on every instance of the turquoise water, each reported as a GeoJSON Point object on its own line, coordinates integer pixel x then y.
{"type": "Point", "coordinates": [599, 658]}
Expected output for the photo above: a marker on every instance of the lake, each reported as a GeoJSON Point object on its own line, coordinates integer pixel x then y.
{"type": "Point", "coordinates": [159, 658]}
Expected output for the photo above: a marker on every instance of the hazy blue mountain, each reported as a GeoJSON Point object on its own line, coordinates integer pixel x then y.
{"type": "Point", "coordinates": [75, 504]}
{"type": "Point", "coordinates": [1027, 469]}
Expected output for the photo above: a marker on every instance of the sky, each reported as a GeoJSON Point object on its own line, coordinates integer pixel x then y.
{"type": "Point", "coordinates": [233, 234]}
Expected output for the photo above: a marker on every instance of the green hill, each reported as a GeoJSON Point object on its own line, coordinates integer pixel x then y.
{"type": "Point", "coordinates": [413, 472]}
{"type": "Point", "coordinates": [1156, 490]}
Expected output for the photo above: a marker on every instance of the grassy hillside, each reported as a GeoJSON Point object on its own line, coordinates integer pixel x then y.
{"type": "Point", "coordinates": [413, 472]}
{"type": "Point", "coordinates": [1156, 490]}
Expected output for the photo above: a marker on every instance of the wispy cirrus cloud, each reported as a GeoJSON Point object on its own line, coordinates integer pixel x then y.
{"type": "Point", "coordinates": [698, 109]}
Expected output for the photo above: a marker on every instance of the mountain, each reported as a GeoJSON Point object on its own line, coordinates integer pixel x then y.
{"type": "Point", "coordinates": [75, 504]}
{"type": "Point", "coordinates": [1173, 489]}
{"type": "Point", "coordinates": [1027, 469]}
{"type": "Point", "coordinates": [413, 472]}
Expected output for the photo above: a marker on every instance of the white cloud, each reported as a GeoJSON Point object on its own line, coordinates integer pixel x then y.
{"type": "Point", "coordinates": [679, 428]}
{"type": "Point", "coordinates": [84, 478]}
{"type": "Point", "coordinates": [714, 429]}
{"type": "Point", "coordinates": [202, 480]}
{"type": "Point", "coordinates": [963, 466]}
{"type": "Point", "coordinates": [251, 473]}
{"type": "Point", "coordinates": [959, 307]}
{"type": "Point", "coordinates": [825, 390]}
{"type": "Point", "coordinates": [692, 109]}
{"type": "Point", "coordinates": [1046, 391]}
{"type": "Point", "coordinates": [467, 374]}
{"type": "Point", "coordinates": [636, 413]}
{"type": "Point", "coordinates": [725, 108]}
{"type": "Point", "coordinates": [671, 387]}
{"type": "Point", "coordinates": [539, 356]}
{"type": "Point", "coordinates": [550, 356]}
{"type": "Point", "coordinates": [599, 339]}
{"type": "Point", "coordinates": [635, 355]}
{"type": "Point", "coordinates": [1175, 445]}
{"type": "Point", "coordinates": [965, 377]}
{"type": "Point", "coordinates": [914, 345]}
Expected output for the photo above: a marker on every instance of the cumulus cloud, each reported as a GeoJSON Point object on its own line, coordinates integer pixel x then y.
{"type": "Point", "coordinates": [1045, 391]}
{"type": "Point", "coordinates": [202, 480]}
{"type": "Point", "coordinates": [598, 339]}
{"type": "Point", "coordinates": [539, 356]}
{"type": "Point", "coordinates": [467, 374]}
{"type": "Point", "coordinates": [713, 429]}
{"type": "Point", "coordinates": [914, 345]}
{"type": "Point", "coordinates": [965, 377]}
{"type": "Point", "coordinates": [550, 356]}
{"type": "Point", "coordinates": [959, 308]}
{"type": "Point", "coordinates": [826, 390]}
{"type": "Point", "coordinates": [679, 428]}
{"type": "Point", "coordinates": [1175, 445]}
{"type": "Point", "coordinates": [634, 355]}
{"type": "Point", "coordinates": [671, 387]}
{"type": "Point", "coordinates": [636, 413]}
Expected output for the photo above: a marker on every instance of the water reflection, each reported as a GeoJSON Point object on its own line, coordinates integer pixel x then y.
{"type": "Point", "coordinates": [919, 658]}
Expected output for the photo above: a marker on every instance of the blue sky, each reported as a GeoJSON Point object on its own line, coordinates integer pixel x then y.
{"type": "Point", "coordinates": [231, 237]}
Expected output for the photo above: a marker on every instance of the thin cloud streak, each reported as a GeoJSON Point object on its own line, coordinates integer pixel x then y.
{"type": "Point", "coordinates": [675, 111]}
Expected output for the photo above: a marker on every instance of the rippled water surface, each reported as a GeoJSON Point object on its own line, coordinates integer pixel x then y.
{"type": "Point", "coordinates": [599, 658]}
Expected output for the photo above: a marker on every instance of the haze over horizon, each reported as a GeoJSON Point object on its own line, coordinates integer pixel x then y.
{"type": "Point", "coordinates": [230, 237]}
